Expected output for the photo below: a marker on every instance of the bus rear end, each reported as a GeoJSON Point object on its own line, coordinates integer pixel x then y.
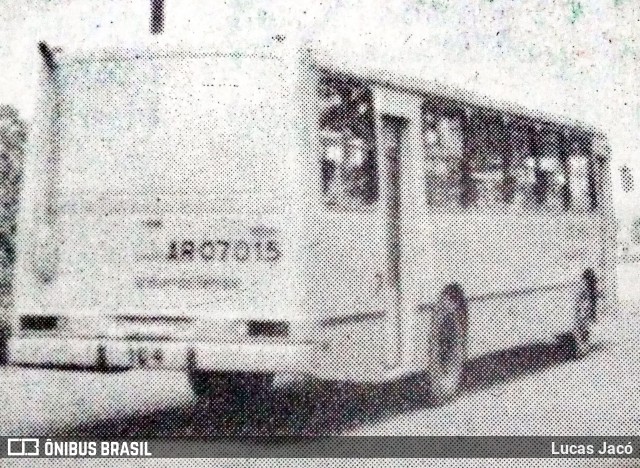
{"type": "Point", "coordinates": [158, 224]}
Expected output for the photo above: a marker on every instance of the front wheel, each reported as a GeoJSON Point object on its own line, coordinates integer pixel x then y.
{"type": "Point", "coordinates": [449, 345]}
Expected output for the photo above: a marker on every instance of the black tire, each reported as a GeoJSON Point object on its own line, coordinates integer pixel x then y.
{"type": "Point", "coordinates": [449, 345]}
{"type": "Point", "coordinates": [204, 384]}
{"type": "Point", "coordinates": [230, 387]}
{"type": "Point", "coordinates": [585, 315]}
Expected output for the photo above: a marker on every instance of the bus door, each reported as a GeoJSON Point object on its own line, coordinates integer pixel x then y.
{"type": "Point", "coordinates": [392, 136]}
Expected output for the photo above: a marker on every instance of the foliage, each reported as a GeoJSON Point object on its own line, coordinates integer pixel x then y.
{"type": "Point", "coordinates": [13, 135]}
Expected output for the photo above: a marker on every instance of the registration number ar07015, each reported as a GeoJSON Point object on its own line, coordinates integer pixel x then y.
{"type": "Point", "coordinates": [225, 250]}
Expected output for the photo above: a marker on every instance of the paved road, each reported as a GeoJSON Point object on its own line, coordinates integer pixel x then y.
{"type": "Point", "coordinates": [517, 391]}
{"type": "Point", "coordinates": [530, 390]}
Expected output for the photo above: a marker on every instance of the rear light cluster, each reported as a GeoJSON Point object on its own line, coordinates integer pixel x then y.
{"type": "Point", "coordinates": [53, 323]}
{"type": "Point", "coordinates": [39, 323]}
{"type": "Point", "coordinates": [267, 329]}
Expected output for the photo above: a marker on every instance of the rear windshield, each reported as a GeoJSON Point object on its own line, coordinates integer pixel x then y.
{"type": "Point", "coordinates": [205, 128]}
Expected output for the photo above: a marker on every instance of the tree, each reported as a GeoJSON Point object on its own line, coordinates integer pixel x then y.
{"type": "Point", "coordinates": [13, 135]}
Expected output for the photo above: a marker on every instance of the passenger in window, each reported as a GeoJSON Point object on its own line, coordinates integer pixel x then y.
{"type": "Point", "coordinates": [579, 183]}
{"type": "Point", "coordinates": [469, 188]}
{"type": "Point", "coordinates": [484, 162]}
{"type": "Point", "coordinates": [518, 182]}
{"type": "Point", "coordinates": [331, 157]}
{"type": "Point", "coordinates": [541, 187]}
{"type": "Point", "coordinates": [353, 170]}
{"type": "Point", "coordinates": [555, 199]}
{"type": "Point", "coordinates": [549, 180]}
{"type": "Point", "coordinates": [508, 188]}
{"type": "Point", "coordinates": [348, 165]}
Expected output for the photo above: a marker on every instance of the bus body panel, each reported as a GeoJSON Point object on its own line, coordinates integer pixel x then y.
{"type": "Point", "coordinates": [121, 264]}
{"type": "Point", "coordinates": [135, 261]}
{"type": "Point", "coordinates": [137, 275]}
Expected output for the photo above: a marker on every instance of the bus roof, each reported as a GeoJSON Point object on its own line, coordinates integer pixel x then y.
{"type": "Point", "coordinates": [435, 87]}
{"type": "Point", "coordinates": [158, 51]}
{"type": "Point", "coordinates": [362, 69]}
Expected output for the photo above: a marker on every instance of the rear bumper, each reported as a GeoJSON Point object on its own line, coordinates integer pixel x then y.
{"type": "Point", "coordinates": [119, 354]}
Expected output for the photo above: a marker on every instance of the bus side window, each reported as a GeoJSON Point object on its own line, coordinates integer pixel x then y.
{"type": "Point", "coordinates": [582, 174]}
{"type": "Point", "coordinates": [521, 176]}
{"type": "Point", "coordinates": [442, 143]}
{"type": "Point", "coordinates": [537, 168]}
{"type": "Point", "coordinates": [551, 172]}
{"type": "Point", "coordinates": [484, 165]}
{"type": "Point", "coordinates": [347, 137]}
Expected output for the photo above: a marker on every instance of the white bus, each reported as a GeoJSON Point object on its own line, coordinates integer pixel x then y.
{"type": "Point", "coordinates": [239, 215]}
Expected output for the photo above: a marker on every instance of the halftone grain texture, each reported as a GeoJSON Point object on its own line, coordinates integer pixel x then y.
{"type": "Point", "coordinates": [13, 132]}
{"type": "Point", "coordinates": [424, 222]}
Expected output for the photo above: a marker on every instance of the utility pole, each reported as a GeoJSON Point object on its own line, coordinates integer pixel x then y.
{"type": "Point", "coordinates": [157, 16]}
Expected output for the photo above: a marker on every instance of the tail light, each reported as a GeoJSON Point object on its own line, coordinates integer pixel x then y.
{"type": "Point", "coordinates": [38, 323]}
{"type": "Point", "coordinates": [268, 329]}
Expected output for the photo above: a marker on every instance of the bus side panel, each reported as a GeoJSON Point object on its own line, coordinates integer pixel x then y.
{"type": "Point", "coordinates": [353, 351]}
{"type": "Point", "coordinates": [510, 322]}
{"type": "Point", "coordinates": [346, 258]}
{"type": "Point", "coordinates": [512, 270]}
{"type": "Point", "coordinates": [503, 322]}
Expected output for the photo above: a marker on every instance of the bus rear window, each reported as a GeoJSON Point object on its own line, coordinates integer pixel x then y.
{"type": "Point", "coordinates": [212, 127]}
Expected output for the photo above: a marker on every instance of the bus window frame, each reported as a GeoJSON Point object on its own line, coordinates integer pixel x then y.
{"type": "Point", "coordinates": [534, 136]}
{"type": "Point", "coordinates": [594, 166]}
{"type": "Point", "coordinates": [368, 194]}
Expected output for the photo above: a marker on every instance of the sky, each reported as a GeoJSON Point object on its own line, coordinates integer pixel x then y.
{"type": "Point", "coordinates": [578, 43]}
{"type": "Point", "coordinates": [588, 48]}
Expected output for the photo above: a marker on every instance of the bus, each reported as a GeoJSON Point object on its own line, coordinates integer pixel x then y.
{"type": "Point", "coordinates": [238, 215]}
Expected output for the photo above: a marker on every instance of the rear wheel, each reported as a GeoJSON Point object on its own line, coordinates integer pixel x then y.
{"type": "Point", "coordinates": [204, 384]}
{"type": "Point", "coordinates": [230, 387]}
{"type": "Point", "coordinates": [449, 345]}
{"type": "Point", "coordinates": [585, 316]}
